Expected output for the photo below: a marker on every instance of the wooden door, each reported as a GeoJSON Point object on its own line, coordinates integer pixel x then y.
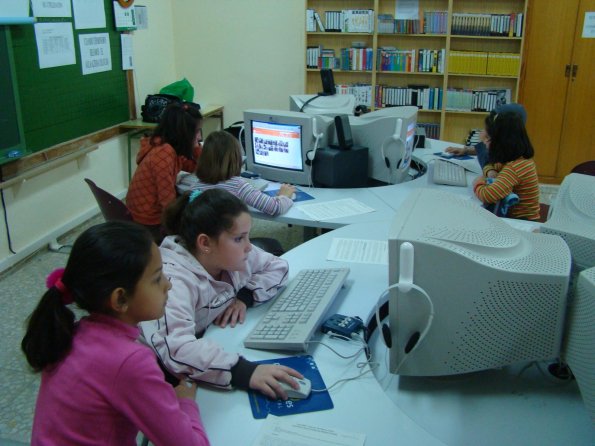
{"type": "Point", "coordinates": [548, 49]}
{"type": "Point", "coordinates": [578, 128]}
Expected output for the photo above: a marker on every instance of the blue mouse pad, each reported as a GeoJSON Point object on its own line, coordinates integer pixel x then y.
{"type": "Point", "coordinates": [456, 157]}
{"type": "Point", "coordinates": [300, 195]}
{"type": "Point", "coordinates": [262, 406]}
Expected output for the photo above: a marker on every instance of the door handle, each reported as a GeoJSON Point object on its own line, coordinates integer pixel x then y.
{"type": "Point", "coordinates": [567, 71]}
{"type": "Point", "coordinates": [574, 71]}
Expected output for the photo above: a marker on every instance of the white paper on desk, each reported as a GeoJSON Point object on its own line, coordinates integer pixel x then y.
{"type": "Point", "coordinates": [355, 250]}
{"type": "Point", "coordinates": [278, 432]}
{"type": "Point", "coordinates": [55, 44]}
{"type": "Point", "coordinates": [55, 8]}
{"type": "Point", "coordinates": [88, 14]}
{"type": "Point", "coordinates": [334, 209]}
{"type": "Point", "coordinates": [95, 53]}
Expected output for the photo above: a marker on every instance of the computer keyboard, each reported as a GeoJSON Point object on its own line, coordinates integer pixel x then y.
{"type": "Point", "coordinates": [259, 183]}
{"type": "Point", "coordinates": [298, 311]}
{"type": "Point", "coordinates": [449, 173]}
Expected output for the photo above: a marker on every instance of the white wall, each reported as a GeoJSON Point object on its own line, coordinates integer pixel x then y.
{"type": "Point", "coordinates": [241, 53]}
{"type": "Point", "coordinates": [237, 53]}
{"type": "Point", "coordinates": [46, 206]}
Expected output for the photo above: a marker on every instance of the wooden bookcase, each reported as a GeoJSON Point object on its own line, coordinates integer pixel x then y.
{"type": "Point", "coordinates": [454, 125]}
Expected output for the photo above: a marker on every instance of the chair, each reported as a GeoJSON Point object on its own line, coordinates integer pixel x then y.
{"type": "Point", "coordinates": [586, 168]}
{"type": "Point", "coordinates": [111, 207]}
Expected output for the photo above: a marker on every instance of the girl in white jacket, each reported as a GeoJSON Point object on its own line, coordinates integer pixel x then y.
{"type": "Point", "coordinates": [216, 274]}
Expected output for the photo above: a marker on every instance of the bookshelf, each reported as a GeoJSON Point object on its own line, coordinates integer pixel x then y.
{"type": "Point", "coordinates": [449, 42]}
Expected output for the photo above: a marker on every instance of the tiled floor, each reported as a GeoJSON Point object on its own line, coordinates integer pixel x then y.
{"type": "Point", "coordinates": [20, 289]}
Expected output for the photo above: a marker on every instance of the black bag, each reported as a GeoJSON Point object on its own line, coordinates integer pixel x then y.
{"type": "Point", "coordinates": [155, 104]}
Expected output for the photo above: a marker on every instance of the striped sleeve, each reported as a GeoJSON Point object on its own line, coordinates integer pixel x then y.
{"type": "Point", "coordinates": [502, 186]}
{"type": "Point", "coordinates": [258, 200]}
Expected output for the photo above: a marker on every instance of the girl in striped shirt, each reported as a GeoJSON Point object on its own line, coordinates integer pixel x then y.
{"type": "Point", "coordinates": [220, 166]}
{"type": "Point", "coordinates": [510, 163]}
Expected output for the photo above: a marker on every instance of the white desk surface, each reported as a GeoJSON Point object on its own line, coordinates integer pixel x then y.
{"type": "Point", "coordinates": [483, 408]}
{"type": "Point", "coordinates": [384, 199]}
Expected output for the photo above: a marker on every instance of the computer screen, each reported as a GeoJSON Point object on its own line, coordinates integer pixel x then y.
{"type": "Point", "coordinates": [486, 295]}
{"type": "Point", "coordinates": [572, 217]}
{"type": "Point", "coordinates": [278, 142]}
{"type": "Point", "coordinates": [337, 104]}
{"type": "Point", "coordinates": [389, 134]}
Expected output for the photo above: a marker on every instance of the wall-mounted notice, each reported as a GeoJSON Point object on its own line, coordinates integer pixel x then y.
{"type": "Point", "coordinates": [95, 53]}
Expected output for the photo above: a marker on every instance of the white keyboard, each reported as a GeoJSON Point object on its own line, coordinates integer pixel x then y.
{"type": "Point", "coordinates": [449, 173]}
{"type": "Point", "coordinates": [259, 183]}
{"type": "Point", "coordinates": [298, 311]}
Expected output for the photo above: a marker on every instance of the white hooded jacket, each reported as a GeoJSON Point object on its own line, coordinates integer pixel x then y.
{"type": "Point", "coordinates": [194, 302]}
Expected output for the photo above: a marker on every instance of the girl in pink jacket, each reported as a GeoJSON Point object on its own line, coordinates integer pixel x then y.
{"type": "Point", "coordinates": [99, 385]}
{"type": "Point", "coordinates": [216, 274]}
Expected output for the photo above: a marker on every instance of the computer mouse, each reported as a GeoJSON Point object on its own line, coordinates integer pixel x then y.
{"type": "Point", "coordinates": [293, 196]}
{"type": "Point", "coordinates": [299, 394]}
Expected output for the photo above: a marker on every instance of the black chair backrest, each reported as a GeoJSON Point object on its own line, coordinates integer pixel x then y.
{"type": "Point", "coordinates": [111, 207]}
{"type": "Point", "coordinates": [586, 168]}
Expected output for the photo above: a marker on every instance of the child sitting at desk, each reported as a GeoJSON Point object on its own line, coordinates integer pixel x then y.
{"type": "Point", "coordinates": [510, 161]}
{"type": "Point", "coordinates": [216, 274]}
{"type": "Point", "coordinates": [220, 167]}
{"type": "Point", "coordinates": [98, 384]}
{"type": "Point", "coordinates": [174, 146]}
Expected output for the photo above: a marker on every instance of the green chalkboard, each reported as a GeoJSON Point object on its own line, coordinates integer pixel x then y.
{"type": "Point", "coordinates": [59, 104]}
{"type": "Point", "coordinates": [11, 137]}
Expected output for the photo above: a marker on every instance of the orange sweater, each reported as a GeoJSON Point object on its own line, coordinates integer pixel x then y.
{"type": "Point", "coordinates": [518, 176]}
{"type": "Point", "coordinates": [153, 185]}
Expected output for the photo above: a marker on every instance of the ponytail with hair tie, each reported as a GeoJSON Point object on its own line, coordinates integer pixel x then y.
{"type": "Point", "coordinates": [54, 279]}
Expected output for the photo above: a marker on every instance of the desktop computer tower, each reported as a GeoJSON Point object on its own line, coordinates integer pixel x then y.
{"type": "Point", "coordinates": [340, 168]}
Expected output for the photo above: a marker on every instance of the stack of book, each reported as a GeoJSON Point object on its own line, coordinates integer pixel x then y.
{"type": "Point", "coordinates": [430, 60]}
{"type": "Point", "coordinates": [386, 24]}
{"type": "Point", "coordinates": [393, 59]}
{"type": "Point", "coordinates": [432, 129]}
{"type": "Point", "coordinates": [503, 64]}
{"type": "Point", "coordinates": [480, 62]}
{"type": "Point", "coordinates": [480, 100]}
{"type": "Point", "coordinates": [503, 25]}
{"type": "Point", "coordinates": [421, 96]}
{"type": "Point", "coordinates": [356, 59]}
{"type": "Point", "coordinates": [361, 91]}
{"type": "Point", "coordinates": [435, 22]}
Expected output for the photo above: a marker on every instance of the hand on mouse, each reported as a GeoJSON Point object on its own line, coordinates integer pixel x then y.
{"type": "Point", "coordinates": [266, 377]}
{"type": "Point", "coordinates": [286, 189]}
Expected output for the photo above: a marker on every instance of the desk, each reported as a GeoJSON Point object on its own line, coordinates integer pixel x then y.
{"type": "Point", "coordinates": [412, 411]}
{"type": "Point", "coordinates": [136, 127]}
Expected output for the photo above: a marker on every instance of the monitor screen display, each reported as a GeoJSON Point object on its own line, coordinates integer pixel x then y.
{"type": "Point", "coordinates": [277, 145]}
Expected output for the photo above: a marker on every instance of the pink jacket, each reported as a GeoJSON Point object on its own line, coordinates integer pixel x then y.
{"type": "Point", "coordinates": [195, 300]}
{"type": "Point", "coordinates": [107, 388]}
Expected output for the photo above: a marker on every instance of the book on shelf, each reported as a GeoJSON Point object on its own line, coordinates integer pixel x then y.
{"type": "Point", "coordinates": [310, 23]}
{"type": "Point", "coordinates": [319, 21]}
{"type": "Point", "coordinates": [386, 24]}
{"type": "Point", "coordinates": [478, 24]}
{"type": "Point", "coordinates": [358, 21]}
{"type": "Point", "coordinates": [333, 20]}
{"type": "Point", "coordinates": [480, 100]}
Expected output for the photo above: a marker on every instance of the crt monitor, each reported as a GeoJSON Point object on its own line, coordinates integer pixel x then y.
{"type": "Point", "coordinates": [279, 143]}
{"type": "Point", "coordinates": [389, 134]}
{"type": "Point", "coordinates": [485, 295]}
{"type": "Point", "coordinates": [337, 104]}
{"type": "Point", "coordinates": [572, 217]}
{"type": "Point", "coordinates": [578, 350]}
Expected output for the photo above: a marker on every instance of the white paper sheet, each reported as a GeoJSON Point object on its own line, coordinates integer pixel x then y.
{"type": "Point", "coordinates": [14, 8]}
{"type": "Point", "coordinates": [54, 8]}
{"type": "Point", "coordinates": [407, 10]}
{"type": "Point", "coordinates": [142, 17]}
{"type": "Point", "coordinates": [589, 25]}
{"type": "Point", "coordinates": [358, 251]}
{"type": "Point", "coordinates": [127, 55]}
{"type": "Point", "coordinates": [89, 14]}
{"type": "Point", "coordinates": [334, 209]}
{"type": "Point", "coordinates": [55, 44]}
{"type": "Point", "coordinates": [279, 432]}
{"type": "Point", "coordinates": [125, 17]}
{"type": "Point", "coordinates": [95, 53]}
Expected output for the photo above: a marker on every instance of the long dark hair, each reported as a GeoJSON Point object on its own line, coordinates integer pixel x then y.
{"type": "Point", "coordinates": [104, 257]}
{"type": "Point", "coordinates": [211, 212]}
{"type": "Point", "coordinates": [178, 127]}
{"type": "Point", "coordinates": [508, 137]}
